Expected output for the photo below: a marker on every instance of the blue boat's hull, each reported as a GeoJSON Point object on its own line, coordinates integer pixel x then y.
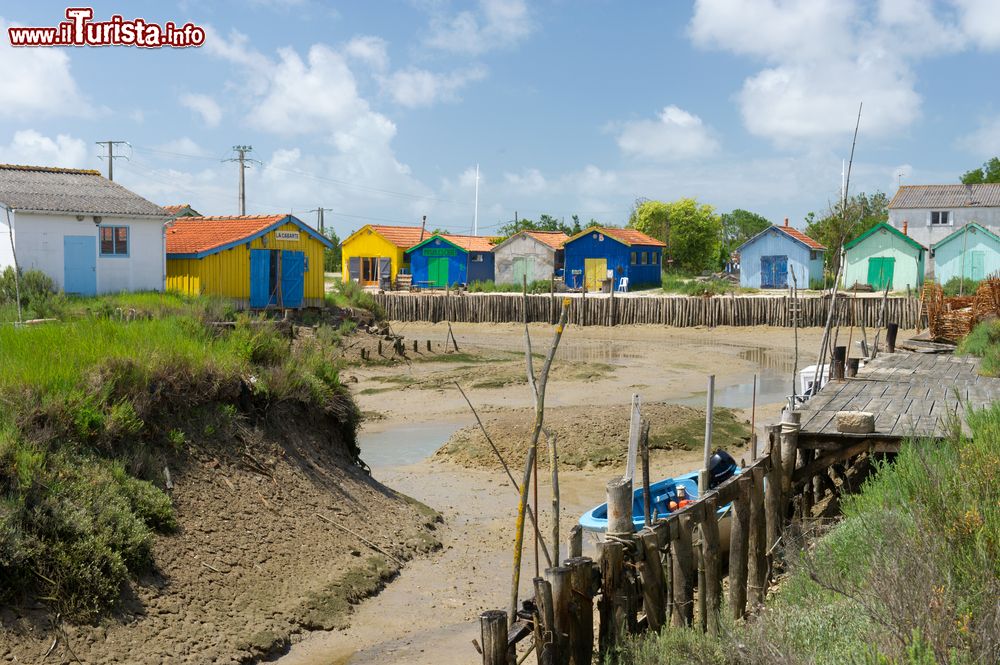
{"type": "Point", "coordinates": [661, 494]}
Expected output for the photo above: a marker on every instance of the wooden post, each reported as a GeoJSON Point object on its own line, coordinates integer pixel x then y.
{"type": "Point", "coordinates": [753, 418]}
{"type": "Point", "coordinates": [493, 634]}
{"type": "Point", "coordinates": [852, 367]}
{"type": "Point", "coordinates": [428, 346]}
{"type": "Point", "coordinates": [581, 634]}
{"type": "Point", "coordinates": [644, 450]}
{"type": "Point", "coordinates": [683, 572]}
{"type": "Point", "coordinates": [651, 572]}
{"type": "Point", "coordinates": [713, 564]}
{"type": "Point", "coordinates": [773, 501]}
{"type": "Point", "coordinates": [561, 579]}
{"type": "Point", "coordinates": [612, 603]}
{"type": "Point", "coordinates": [739, 540]}
{"type": "Point", "coordinates": [757, 542]}
{"type": "Point", "coordinates": [620, 507]}
{"type": "Point", "coordinates": [789, 453]}
{"type": "Point", "coordinates": [611, 305]}
{"type": "Point", "coordinates": [891, 330]}
{"type": "Point", "coordinates": [576, 541]}
{"type": "Point", "coordinates": [709, 408]}
{"type": "Point", "coordinates": [838, 359]}
{"type": "Point", "coordinates": [662, 531]}
{"type": "Point", "coordinates": [544, 622]}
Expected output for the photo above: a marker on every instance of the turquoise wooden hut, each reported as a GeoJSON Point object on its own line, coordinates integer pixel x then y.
{"type": "Point", "coordinates": [884, 256]}
{"type": "Point", "coordinates": [972, 251]}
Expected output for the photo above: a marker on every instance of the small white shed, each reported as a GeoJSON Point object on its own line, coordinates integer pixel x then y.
{"type": "Point", "coordinates": [89, 234]}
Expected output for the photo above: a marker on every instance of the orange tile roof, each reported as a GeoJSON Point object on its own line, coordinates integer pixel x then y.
{"type": "Point", "coordinates": [632, 237]}
{"type": "Point", "coordinates": [401, 236]}
{"type": "Point", "coordinates": [173, 210]}
{"type": "Point", "coordinates": [801, 237]}
{"type": "Point", "coordinates": [471, 243]}
{"type": "Point", "coordinates": [193, 235]}
{"type": "Point", "coordinates": [553, 239]}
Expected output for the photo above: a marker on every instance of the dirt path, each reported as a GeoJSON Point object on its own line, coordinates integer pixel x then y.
{"type": "Point", "coordinates": [428, 615]}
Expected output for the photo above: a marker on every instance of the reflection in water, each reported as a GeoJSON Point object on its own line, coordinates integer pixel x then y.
{"type": "Point", "coordinates": [406, 444]}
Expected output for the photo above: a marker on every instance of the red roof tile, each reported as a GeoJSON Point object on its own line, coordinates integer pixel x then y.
{"type": "Point", "coordinates": [801, 237]}
{"type": "Point", "coordinates": [173, 210]}
{"type": "Point", "coordinates": [471, 243]}
{"type": "Point", "coordinates": [553, 239]}
{"type": "Point", "coordinates": [401, 236]}
{"type": "Point", "coordinates": [193, 235]}
{"type": "Point", "coordinates": [631, 237]}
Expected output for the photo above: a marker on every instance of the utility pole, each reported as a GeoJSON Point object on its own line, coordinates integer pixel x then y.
{"type": "Point", "coordinates": [111, 156]}
{"type": "Point", "coordinates": [321, 219]}
{"type": "Point", "coordinates": [475, 219]}
{"type": "Point", "coordinates": [241, 157]}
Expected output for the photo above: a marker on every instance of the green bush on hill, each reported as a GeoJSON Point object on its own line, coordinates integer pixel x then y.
{"type": "Point", "coordinates": [92, 409]}
{"type": "Point", "coordinates": [538, 286]}
{"type": "Point", "coordinates": [350, 294]}
{"type": "Point", "coordinates": [960, 285]}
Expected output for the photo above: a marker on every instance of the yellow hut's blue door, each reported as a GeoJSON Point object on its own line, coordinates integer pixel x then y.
{"type": "Point", "coordinates": [292, 277]}
{"type": "Point", "coordinates": [261, 293]}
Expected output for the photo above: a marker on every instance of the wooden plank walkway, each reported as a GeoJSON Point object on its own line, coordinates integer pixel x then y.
{"type": "Point", "coordinates": [911, 395]}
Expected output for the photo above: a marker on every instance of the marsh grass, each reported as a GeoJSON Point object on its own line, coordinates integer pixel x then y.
{"type": "Point", "coordinates": [92, 408]}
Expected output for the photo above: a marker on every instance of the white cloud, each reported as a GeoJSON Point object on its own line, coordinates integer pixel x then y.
{"type": "Point", "coordinates": [31, 148]}
{"type": "Point", "coordinates": [675, 134]}
{"type": "Point", "coordinates": [984, 141]}
{"type": "Point", "coordinates": [529, 181]}
{"type": "Point", "coordinates": [980, 20]}
{"type": "Point", "coordinates": [823, 58]}
{"type": "Point", "coordinates": [183, 146]}
{"type": "Point", "coordinates": [37, 82]}
{"type": "Point", "coordinates": [418, 87]}
{"type": "Point", "coordinates": [370, 50]}
{"type": "Point", "coordinates": [204, 106]}
{"type": "Point", "coordinates": [496, 24]}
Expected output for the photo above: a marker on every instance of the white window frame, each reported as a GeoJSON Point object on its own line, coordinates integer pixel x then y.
{"type": "Point", "coordinates": [930, 218]}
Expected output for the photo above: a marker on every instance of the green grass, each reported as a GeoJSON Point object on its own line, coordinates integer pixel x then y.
{"type": "Point", "coordinates": [984, 342]}
{"type": "Point", "coordinates": [350, 294]}
{"type": "Point", "coordinates": [536, 287]}
{"type": "Point", "coordinates": [689, 286]}
{"type": "Point", "coordinates": [94, 406]}
{"type": "Point", "coordinates": [690, 434]}
{"type": "Point", "coordinates": [960, 285]}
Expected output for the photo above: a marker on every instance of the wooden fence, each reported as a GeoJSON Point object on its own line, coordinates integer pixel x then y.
{"type": "Point", "coordinates": [672, 571]}
{"type": "Point", "coordinates": [675, 311]}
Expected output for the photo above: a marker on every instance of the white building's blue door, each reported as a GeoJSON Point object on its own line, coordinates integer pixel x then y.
{"type": "Point", "coordinates": [80, 265]}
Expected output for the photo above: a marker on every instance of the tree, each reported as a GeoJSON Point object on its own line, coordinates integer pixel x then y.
{"type": "Point", "coordinates": [988, 172]}
{"type": "Point", "coordinates": [692, 231]}
{"type": "Point", "coordinates": [332, 257]}
{"type": "Point", "coordinates": [835, 228]}
{"type": "Point", "coordinates": [739, 226]}
{"type": "Point", "coordinates": [544, 223]}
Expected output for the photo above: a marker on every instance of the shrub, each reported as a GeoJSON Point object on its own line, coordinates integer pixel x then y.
{"type": "Point", "coordinates": [350, 294]}
{"type": "Point", "coordinates": [957, 285]}
{"type": "Point", "coordinates": [984, 342]}
{"type": "Point", "coordinates": [39, 295]}
{"type": "Point", "coordinates": [537, 286]}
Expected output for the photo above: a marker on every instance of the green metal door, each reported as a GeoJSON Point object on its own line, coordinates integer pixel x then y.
{"type": "Point", "coordinates": [978, 270]}
{"type": "Point", "coordinates": [437, 271]}
{"type": "Point", "coordinates": [880, 272]}
{"type": "Point", "coordinates": [522, 268]}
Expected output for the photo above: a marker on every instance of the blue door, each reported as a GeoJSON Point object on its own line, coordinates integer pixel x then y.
{"type": "Point", "coordinates": [774, 272]}
{"type": "Point", "coordinates": [293, 268]}
{"type": "Point", "coordinates": [261, 293]}
{"type": "Point", "coordinates": [80, 265]}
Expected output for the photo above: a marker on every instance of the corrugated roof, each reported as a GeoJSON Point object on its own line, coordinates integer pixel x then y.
{"type": "Point", "coordinates": [947, 196]}
{"type": "Point", "coordinates": [194, 235]}
{"type": "Point", "coordinates": [553, 239]}
{"type": "Point", "coordinates": [73, 191]}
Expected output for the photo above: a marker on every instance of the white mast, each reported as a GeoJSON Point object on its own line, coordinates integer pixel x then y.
{"type": "Point", "coordinates": [475, 220]}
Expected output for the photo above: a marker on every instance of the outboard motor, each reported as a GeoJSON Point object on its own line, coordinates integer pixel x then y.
{"type": "Point", "coordinates": [721, 467]}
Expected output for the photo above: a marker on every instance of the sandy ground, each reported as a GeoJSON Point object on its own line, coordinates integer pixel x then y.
{"type": "Point", "coordinates": [429, 614]}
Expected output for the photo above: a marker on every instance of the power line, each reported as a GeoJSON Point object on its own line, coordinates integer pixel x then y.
{"type": "Point", "coordinates": [111, 157]}
{"type": "Point", "coordinates": [241, 152]}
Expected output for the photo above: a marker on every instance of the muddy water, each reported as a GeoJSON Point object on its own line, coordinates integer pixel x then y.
{"type": "Point", "coordinates": [404, 444]}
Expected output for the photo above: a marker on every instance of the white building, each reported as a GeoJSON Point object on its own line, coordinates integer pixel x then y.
{"type": "Point", "coordinates": [89, 234]}
{"type": "Point", "coordinates": [930, 213]}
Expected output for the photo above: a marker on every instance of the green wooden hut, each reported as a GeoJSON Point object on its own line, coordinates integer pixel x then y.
{"type": "Point", "coordinates": [884, 256]}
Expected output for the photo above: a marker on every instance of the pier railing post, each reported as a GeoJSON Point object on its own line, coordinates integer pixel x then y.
{"type": "Point", "coordinates": [561, 579]}
{"type": "Point", "coordinates": [651, 573]}
{"type": "Point", "coordinates": [683, 574]}
{"type": "Point", "coordinates": [613, 600]}
{"type": "Point", "coordinates": [544, 622]}
{"type": "Point", "coordinates": [493, 634]}
{"type": "Point", "coordinates": [581, 632]}
{"type": "Point", "coordinates": [775, 515]}
{"type": "Point", "coordinates": [713, 564]}
{"type": "Point", "coordinates": [739, 540]}
{"type": "Point", "coordinates": [757, 541]}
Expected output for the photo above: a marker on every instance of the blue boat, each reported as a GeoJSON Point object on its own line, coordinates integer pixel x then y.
{"type": "Point", "coordinates": [661, 493]}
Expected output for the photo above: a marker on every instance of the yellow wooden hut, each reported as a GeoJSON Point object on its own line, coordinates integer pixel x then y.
{"type": "Point", "coordinates": [374, 254]}
{"type": "Point", "coordinates": [260, 261]}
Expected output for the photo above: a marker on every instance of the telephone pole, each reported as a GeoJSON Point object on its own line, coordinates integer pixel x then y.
{"type": "Point", "coordinates": [241, 157]}
{"type": "Point", "coordinates": [321, 219]}
{"type": "Point", "coordinates": [111, 156]}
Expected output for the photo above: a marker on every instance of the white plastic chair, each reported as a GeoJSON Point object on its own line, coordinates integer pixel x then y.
{"type": "Point", "coordinates": [623, 285]}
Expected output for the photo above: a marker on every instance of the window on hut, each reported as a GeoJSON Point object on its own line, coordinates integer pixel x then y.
{"type": "Point", "coordinates": [114, 241]}
{"type": "Point", "coordinates": [940, 217]}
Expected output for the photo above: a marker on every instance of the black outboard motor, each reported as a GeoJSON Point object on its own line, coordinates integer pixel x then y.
{"type": "Point", "coordinates": [721, 467]}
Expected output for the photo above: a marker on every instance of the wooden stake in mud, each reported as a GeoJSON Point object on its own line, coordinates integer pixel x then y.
{"type": "Point", "coordinates": [613, 601]}
{"type": "Point", "coordinates": [753, 417]}
{"type": "Point", "coordinates": [756, 543]}
{"type": "Point", "coordinates": [710, 551]}
{"type": "Point", "coordinates": [739, 540]}
{"type": "Point", "coordinates": [619, 495]}
{"type": "Point", "coordinates": [561, 579]}
{"type": "Point", "coordinates": [493, 634]}
{"type": "Point", "coordinates": [554, 467]}
{"type": "Point", "coordinates": [683, 571]}
{"type": "Point", "coordinates": [709, 408]}
{"type": "Point", "coordinates": [576, 541]}
{"type": "Point", "coordinates": [582, 608]}
{"type": "Point", "coordinates": [538, 390]}
{"type": "Point", "coordinates": [651, 573]}
{"type": "Point", "coordinates": [773, 500]}
{"type": "Point", "coordinates": [644, 451]}
{"type": "Point", "coordinates": [544, 622]}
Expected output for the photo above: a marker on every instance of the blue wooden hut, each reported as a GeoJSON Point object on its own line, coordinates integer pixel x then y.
{"type": "Point", "coordinates": [769, 259]}
{"type": "Point", "coordinates": [446, 260]}
{"type": "Point", "coordinates": [591, 254]}
{"type": "Point", "coordinates": [972, 251]}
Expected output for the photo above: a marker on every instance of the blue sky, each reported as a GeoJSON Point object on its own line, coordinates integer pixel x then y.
{"type": "Point", "coordinates": [381, 110]}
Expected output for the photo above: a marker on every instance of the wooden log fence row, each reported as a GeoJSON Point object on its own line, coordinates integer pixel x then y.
{"type": "Point", "coordinates": [642, 581]}
{"type": "Point", "coordinates": [682, 312]}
